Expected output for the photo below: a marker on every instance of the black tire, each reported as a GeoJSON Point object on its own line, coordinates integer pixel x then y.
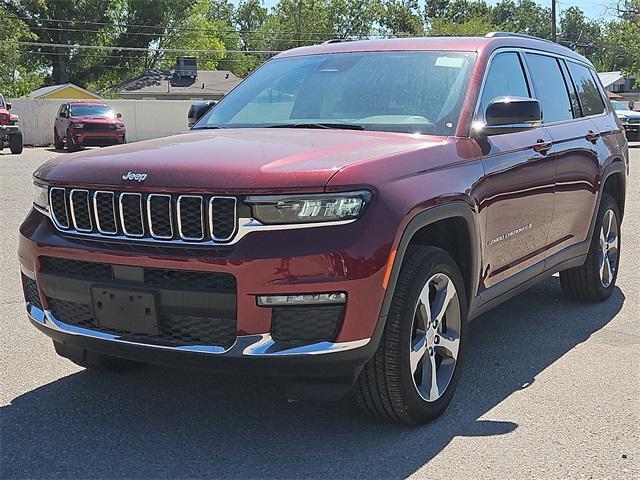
{"type": "Point", "coordinates": [385, 387]}
{"type": "Point", "coordinates": [15, 143]}
{"type": "Point", "coordinates": [95, 361]}
{"type": "Point", "coordinates": [584, 282]}
{"type": "Point", "coordinates": [71, 146]}
{"type": "Point", "coordinates": [57, 141]}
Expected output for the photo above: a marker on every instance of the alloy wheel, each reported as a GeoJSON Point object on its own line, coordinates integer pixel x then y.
{"type": "Point", "coordinates": [435, 338]}
{"type": "Point", "coordinates": [608, 248]}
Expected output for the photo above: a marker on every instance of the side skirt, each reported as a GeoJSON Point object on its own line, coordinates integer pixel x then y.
{"type": "Point", "coordinates": [570, 257]}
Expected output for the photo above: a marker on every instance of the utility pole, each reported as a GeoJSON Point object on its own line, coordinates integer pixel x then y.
{"type": "Point", "coordinates": [553, 21]}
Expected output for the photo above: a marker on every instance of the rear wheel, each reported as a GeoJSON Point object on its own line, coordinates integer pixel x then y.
{"type": "Point", "coordinates": [15, 143]}
{"type": "Point", "coordinates": [413, 375]}
{"type": "Point", "coordinates": [95, 361]}
{"type": "Point", "coordinates": [595, 279]}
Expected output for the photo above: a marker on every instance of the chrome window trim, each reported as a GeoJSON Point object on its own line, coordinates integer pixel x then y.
{"type": "Point", "coordinates": [95, 212]}
{"type": "Point", "coordinates": [479, 116]}
{"type": "Point", "coordinates": [124, 227]}
{"type": "Point", "coordinates": [73, 213]}
{"type": "Point", "coordinates": [202, 227]}
{"type": "Point", "coordinates": [235, 218]}
{"type": "Point", "coordinates": [66, 209]}
{"type": "Point", "coordinates": [162, 237]}
{"type": "Point", "coordinates": [261, 345]}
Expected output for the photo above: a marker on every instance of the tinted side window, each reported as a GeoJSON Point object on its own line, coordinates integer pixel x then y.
{"type": "Point", "coordinates": [588, 92]}
{"type": "Point", "coordinates": [505, 78]}
{"type": "Point", "coordinates": [550, 88]}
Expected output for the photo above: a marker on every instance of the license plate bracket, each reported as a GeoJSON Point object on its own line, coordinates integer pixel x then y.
{"type": "Point", "coordinates": [124, 309]}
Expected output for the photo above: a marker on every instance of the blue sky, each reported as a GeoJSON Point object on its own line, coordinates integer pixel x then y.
{"type": "Point", "coordinates": [591, 8]}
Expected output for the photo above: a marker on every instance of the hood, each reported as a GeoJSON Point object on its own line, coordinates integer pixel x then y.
{"type": "Point", "coordinates": [230, 160]}
{"type": "Point", "coordinates": [627, 113]}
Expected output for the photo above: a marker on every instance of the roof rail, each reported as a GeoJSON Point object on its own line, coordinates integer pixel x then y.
{"type": "Point", "coordinates": [336, 40]}
{"type": "Point", "coordinates": [518, 35]}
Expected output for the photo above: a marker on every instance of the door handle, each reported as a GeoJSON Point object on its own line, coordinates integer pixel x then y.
{"type": "Point", "coordinates": [592, 136]}
{"type": "Point", "coordinates": [542, 146]}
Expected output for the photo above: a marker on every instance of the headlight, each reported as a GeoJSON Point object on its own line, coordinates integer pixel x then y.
{"type": "Point", "coordinates": [77, 125]}
{"type": "Point", "coordinates": [41, 196]}
{"type": "Point", "coordinates": [278, 210]}
{"type": "Point", "coordinates": [624, 120]}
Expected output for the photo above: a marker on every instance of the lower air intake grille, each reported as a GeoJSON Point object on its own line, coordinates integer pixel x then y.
{"type": "Point", "coordinates": [174, 330]}
{"type": "Point", "coordinates": [306, 324]}
{"type": "Point", "coordinates": [98, 272]}
{"type": "Point", "coordinates": [31, 292]}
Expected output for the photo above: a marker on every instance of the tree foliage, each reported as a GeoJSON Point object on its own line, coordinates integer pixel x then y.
{"type": "Point", "coordinates": [240, 34]}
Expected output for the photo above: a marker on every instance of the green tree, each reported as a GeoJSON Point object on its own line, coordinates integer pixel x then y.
{"type": "Point", "coordinates": [401, 17]}
{"type": "Point", "coordinates": [20, 71]}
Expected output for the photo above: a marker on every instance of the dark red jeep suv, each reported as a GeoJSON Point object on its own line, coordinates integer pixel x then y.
{"type": "Point", "coordinates": [337, 219]}
{"type": "Point", "coordinates": [87, 124]}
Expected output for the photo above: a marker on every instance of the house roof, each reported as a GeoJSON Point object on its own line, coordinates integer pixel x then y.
{"type": "Point", "coordinates": [159, 82]}
{"type": "Point", "coordinates": [44, 91]}
{"type": "Point", "coordinates": [609, 78]}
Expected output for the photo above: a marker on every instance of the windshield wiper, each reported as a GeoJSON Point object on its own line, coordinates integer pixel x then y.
{"type": "Point", "coordinates": [325, 125]}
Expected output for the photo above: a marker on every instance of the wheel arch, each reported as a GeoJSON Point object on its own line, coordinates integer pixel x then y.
{"type": "Point", "coordinates": [420, 229]}
{"type": "Point", "coordinates": [613, 181]}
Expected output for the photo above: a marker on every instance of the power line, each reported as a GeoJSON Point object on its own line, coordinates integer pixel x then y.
{"type": "Point", "coordinates": [137, 49]}
{"type": "Point", "coordinates": [200, 58]}
{"type": "Point", "coordinates": [165, 27]}
{"type": "Point", "coordinates": [159, 34]}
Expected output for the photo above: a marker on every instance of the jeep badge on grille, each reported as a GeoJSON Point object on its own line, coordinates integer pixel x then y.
{"type": "Point", "coordinates": [138, 177]}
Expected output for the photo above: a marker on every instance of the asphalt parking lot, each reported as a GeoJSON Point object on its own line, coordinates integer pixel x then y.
{"type": "Point", "coordinates": [551, 389]}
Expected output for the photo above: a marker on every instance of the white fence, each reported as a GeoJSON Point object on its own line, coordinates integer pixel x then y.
{"type": "Point", "coordinates": [144, 119]}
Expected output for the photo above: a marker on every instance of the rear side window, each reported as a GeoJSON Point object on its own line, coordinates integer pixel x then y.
{"type": "Point", "coordinates": [505, 78]}
{"type": "Point", "coordinates": [588, 92]}
{"type": "Point", "coordinates": [550, 88]}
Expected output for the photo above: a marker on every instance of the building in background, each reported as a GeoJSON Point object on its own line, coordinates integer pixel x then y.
{"type": "Point", "coordinates": [67, 91]}
{"type": "Point", "coordinates": [625, 88]}
{"type": "Point", "coordinates": [185, 82]}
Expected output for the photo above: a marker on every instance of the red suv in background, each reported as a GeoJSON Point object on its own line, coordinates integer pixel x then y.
{"type": "Point", "coordinates": [338, 218]}
{"type": "Point", "coordinates": [87, 124]}
{"type": "Point", "coordinates": [10, 134]}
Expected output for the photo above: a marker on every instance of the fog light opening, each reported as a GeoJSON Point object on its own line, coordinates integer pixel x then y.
{"type": "Point", "coordinates": [332, 298]}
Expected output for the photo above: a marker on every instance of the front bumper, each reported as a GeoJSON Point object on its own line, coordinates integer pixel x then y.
{"type": "Point", "coordinates": [351, 266]}
{"type": "Point", "coordinates": [98, 138]}
{"type": "Point", "coordinates": [8, 130]}
{"type": "Point", "coordinates": [632, 132]}
{"type": "Point", "coordinates": [250, 355]}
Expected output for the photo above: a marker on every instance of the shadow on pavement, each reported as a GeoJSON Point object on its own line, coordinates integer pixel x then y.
{"type": "Point", "coordinates": [160, 422]}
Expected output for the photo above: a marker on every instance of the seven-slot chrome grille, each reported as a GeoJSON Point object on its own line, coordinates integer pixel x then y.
{"type": "Point", "coordinates": [153, 216]}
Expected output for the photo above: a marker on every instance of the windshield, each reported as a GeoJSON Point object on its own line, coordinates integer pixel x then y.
{"type": "Point", "coordinates": [619, 106]}
{"type": "Point", "coordinates": [412, 92]}
{"type": "Point", "coordinates": [92, 110]}
{"type": "Point", "coordinates": [1, 102]}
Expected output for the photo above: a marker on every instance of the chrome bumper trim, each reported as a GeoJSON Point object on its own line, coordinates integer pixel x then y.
{"type": "Point", "coordinates": [246, 345]}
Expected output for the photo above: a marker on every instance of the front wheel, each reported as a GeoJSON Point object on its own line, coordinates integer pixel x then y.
{"type": "Point", "coordinates": [71, 144]}
{"type": "Point", "coordinates": [595, 279]}
{"type": "Point", "coordinates": [58, 143]}
{"type": "Point", "coordinates": [413, 374]}
{"type": "Point", "coordinates": [15, 143]}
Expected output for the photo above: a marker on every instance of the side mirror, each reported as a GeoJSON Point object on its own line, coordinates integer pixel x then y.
{"type": "Point", "coordinates": [118, 115]}
{"type": "Point", "coordinates": [197, 111]}
{"type": "Point", "coordinates": [8, 105]}
{"type": "Point", "coordinates": [511, 114]}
